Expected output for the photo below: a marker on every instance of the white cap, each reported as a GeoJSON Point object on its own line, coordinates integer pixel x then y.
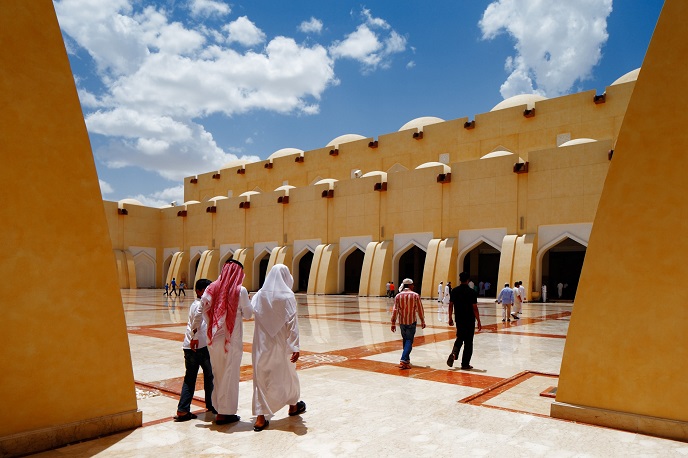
{"type": "Point", "coordinates": [407, 281]}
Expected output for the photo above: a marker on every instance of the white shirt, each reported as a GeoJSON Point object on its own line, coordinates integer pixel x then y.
{"type": "Point", "coordinates": [522, 289]}
{"type": "Point", "coordinates": [202, 334]}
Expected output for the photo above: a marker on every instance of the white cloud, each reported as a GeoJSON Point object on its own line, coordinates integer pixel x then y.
{"type": "Point", "coordinates": [372, 43]}
{"type": "Point", "coordinates": [410, 64]}
{"type": "Point", "coordinates": [105, 187]}
{"type": "Point", "coordinates": [557, 43]}
{"type": "Point", "coordinates": [313, 25]}
{"type": "Point", "coordinates": [206, 8]}
{"type": "Point", "coordinates": [244, 32]}
{"type": "Point", "coordinates": [162, 198]}
{"type": "Point", "coordinates": [160, 78]}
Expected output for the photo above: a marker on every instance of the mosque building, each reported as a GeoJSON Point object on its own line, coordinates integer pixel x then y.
{"type": "Point", "coordinates": [509, 195]}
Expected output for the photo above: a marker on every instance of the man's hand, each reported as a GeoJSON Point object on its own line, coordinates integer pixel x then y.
{"type": "Point", "coordinates": [480, 326]}
{"type": "Point", "coordinates": [422, 325]}
{"type": "Point", "coordinates": [294, 357]}
{"type": "Point", "coordinates": [451, 322]}
{"type": "Point", "coordinates": [194, 344]}
{"type": "Point", "coordinates": [394, 328]}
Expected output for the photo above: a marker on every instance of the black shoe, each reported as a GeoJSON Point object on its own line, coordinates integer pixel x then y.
{"type": "Point", "coordinates": [186, 417]}
{"type": "Point", "coordinates": [466, 367]}
{"type": "Point", "coordinates": [226, 419]}
{"type": "Point", "coordinates": [450, 360]}
{"type": "Point", "coordinates": [260, 428]}
{"type": "Point", "coordinates": [515, 316]}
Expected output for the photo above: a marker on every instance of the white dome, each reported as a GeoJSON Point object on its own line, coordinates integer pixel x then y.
{"type": "Point", "coordinates": [285, 152]}
{"type": "Point", "coordinates": [121, 203]}
{"type": "Point", "coordinates": [419, 123]}
{"type": "Point", "coordinates": [445, 167]}
{"type": "Point", "coordinates": [497, 154]}
{"type": "Point", "coordinates": [346, 138]}
{"type": "Point", "coordinates": [235, 163]}
{"type": "Point", "coordinates": [376, 173]}
{"type": "Point", "coordinates": [577, 141]}
{"type": "Point", "coordinates": [518, 100]}
{"type": "Point", "coordinates": [630, 76]}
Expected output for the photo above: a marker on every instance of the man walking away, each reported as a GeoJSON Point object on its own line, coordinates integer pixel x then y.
{"type": "Point", "coordinates": [407, 306]}
{"type": "Point", "coordinates": [464, 303]}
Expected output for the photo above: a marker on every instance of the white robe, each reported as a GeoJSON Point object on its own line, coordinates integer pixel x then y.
{"type": "Point", "coordinates": [227, 365]}
{"type": "Point", "coordinates": [275, 338]}
{"type": "Point", "coordinates": [445, 298]}
{"type": "Point", "coordinates": [275, 383]}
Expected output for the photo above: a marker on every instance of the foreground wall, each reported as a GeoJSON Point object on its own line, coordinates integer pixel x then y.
{"type": "Point", "coordinates": [66, 313]}
{"type": "Point", "coordinates": [624, 363]}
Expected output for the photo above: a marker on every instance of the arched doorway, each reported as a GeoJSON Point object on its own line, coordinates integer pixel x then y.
{"type": "Point", "coordinates": [352, 271]}
{"type": "Point", "coordinates": [304, 271]}
{"type": "Point", "coordinates": [411, 266]}
{"type": "Point", "coordinates": [145, 270]}
{"type": "Point", "coordinates": [563, 264]}
{"type": "Point", "coordinates": [263, 269]}
{"type": "Point", "coordinates": [482, 264]}
{"type": "Point", "coordinates": [193, 268]}
{"type": "Point", "coordinates": [165, 269]}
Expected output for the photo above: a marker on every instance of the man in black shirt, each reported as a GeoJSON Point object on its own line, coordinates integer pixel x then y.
{"type": "Point", "coordinates": [464, 301]}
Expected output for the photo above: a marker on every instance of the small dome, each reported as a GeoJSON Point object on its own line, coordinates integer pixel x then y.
{"type": "Point", "coordinates": [376, 173]}
{"type": "Point", "coordinates": [328, 181]}
{"type": "Point", "coordinates": [346, 138]}
{"type": "Point", "coordinates": [577, 141]}
{"type": "Point", "coordinates": [497, 154]}
{"type": "Point", "coordinates": [630, 76]}
{"type": "Point", "coordinates": [445, 167]}
{"type": "Point", "coordinates": [235, 163]}
{"type": "Point", "coordinates": [121, 203]}
{"type": "Point", "coordinates": [518, 100]}
{"type": "Point", "coordinates": [285, 152]}
{"type": "Point", "coordinates": [419, 123]}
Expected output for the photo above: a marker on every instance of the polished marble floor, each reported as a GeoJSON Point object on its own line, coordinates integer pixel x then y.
{"type": "Point", "coordinates": [359, 401]}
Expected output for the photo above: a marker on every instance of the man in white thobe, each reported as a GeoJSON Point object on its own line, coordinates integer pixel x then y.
{"type": "Point", "coordinates": [518, 299]}
{"type": "Point", "coordinates": [275, 348]}
{"type": "Point", "coordinates": [440, 291]}
{"type": "Point", "coordinates": [224, 305]}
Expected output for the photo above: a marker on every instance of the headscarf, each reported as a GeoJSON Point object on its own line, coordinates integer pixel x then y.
{"type": "Point", "coordinates": [275, 304]}
{"type": "Point", "coordinates": [225, 300]}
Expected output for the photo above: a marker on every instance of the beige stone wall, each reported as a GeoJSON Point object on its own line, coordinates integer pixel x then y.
{"type": "Point", "coordinates": [55, 239]}
{"type": "Point", "coordinates": [624, 360]}
{"type": "Point", "coordinates": [562, 187]}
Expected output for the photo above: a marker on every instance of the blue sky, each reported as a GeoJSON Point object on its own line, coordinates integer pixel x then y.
{"type": "Point", "coordinates": [172, 88]}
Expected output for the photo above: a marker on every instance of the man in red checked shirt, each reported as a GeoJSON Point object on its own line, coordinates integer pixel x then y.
{"type": "Point", "coordinates": [407, 306]}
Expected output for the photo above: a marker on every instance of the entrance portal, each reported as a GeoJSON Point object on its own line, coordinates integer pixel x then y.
{"type": "Point", "coordinates": [304, 271]}
{"type": "Point", "coordinates": [263, 269]}
{"type": "Point", "coordinates": [563, 264]}
{"type": "Point", "coordinates": [482, 264]}
{"type": "Point", "coordinates": [411, 266]}
{"type": "Point", "coordinates": [352, 271]}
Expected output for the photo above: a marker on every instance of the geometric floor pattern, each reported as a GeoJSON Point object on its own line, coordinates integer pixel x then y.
{"type": "Point", "coordinates": [359, 401]}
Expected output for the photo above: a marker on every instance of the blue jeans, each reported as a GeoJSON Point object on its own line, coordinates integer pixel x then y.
{"type": "Point", "coordinates": [193, 360]}
{"type": "Point", "coordinates": [408, 332]}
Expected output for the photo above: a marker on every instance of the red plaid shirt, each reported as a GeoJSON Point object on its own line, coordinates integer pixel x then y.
{"type": "Point", "coordinates": [407, 305]}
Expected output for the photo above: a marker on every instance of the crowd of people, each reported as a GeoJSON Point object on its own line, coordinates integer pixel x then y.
{"type": "Point", "coordinates": [213, 342]}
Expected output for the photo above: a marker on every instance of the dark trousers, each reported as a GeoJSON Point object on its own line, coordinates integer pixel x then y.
{"type": "Point", "coordinates": [193, 360]}
{"type": "Point", "coordinates": [464, 337]}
